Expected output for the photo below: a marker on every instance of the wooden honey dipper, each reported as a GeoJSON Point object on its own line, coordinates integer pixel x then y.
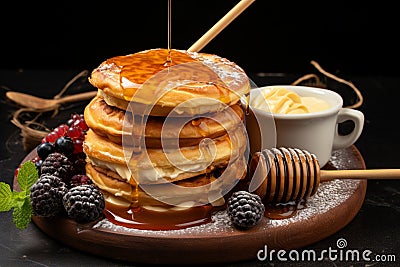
{"type": "Point", "coordinates": [284, 174]}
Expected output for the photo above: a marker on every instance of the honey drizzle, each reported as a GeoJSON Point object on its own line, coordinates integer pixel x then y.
{"type": "Point", "coordinates": [169, 58]}
{"type": "Point", "coordinates": [141, 67]}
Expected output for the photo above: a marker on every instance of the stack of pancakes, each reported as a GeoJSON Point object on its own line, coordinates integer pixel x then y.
{"type": "Point", "coordinates": [166, 128]}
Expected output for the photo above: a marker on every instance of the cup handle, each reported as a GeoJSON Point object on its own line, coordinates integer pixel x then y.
{"type": "Point", "coordinates": [346, 114]}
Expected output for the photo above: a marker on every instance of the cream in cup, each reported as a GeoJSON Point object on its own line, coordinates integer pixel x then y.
{"type": "Point", "coordinates": [300, 117]}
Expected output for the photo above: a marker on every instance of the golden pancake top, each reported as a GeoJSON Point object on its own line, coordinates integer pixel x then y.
{"type": "Point", "coordinates": [147, 77]}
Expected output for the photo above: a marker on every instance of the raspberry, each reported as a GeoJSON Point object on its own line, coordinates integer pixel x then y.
{"type": "Point", "coordinates": [46, 195]}
{"type": "Point", "coordinates": [245, 209]}
{"type": "Point", "coordinates": [57, 164]}
{"type": "Point", "coordinates": [84, 203]}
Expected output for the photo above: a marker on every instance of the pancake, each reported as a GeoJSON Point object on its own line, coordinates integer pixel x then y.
{"type": "Point", "coordinates": [200, 189]}
{"type": "Point", "coordinates": [164, 165]}
{"type": "Point", "coordinates": [193, 83]}
{"type": "Point", "coordinates": [108, 121]}
{"type": "Point", "coordinates": [186, 149]}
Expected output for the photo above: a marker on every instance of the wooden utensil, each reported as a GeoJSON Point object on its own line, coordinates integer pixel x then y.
{"type": "Point", "coordinates": [220, 25]}
{"type": "Point", "coordinates": [38, 103]}
{"type": "Point", "coordinates": [289, 174]}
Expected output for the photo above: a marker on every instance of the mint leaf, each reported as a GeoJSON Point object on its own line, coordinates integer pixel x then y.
{"type": "Point", "coordinates": [18, 198]}
{"type": "Point", "coordinates": [6, 202]}
{"type": "Point", "coordinates": [27, 175]}
{"type": "Point", "coordinates": [22, 215]}
{"type": "Point", "coordinates": [20, 201]}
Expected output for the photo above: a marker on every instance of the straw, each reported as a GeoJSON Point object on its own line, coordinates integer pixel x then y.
{"type": "Point", "coordinates": [220, 25]}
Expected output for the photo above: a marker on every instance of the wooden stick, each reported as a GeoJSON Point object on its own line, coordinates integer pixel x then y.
{"type": "Point", "coordinates": [34, 102]}
{"type": "Point", "coordinates": [375, 174]}
{"type": "Point", "coordinates": [220, 25]}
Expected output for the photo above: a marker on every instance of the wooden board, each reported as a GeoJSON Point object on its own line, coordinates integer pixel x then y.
{"type": "Point", "coordinates": [333, 206]}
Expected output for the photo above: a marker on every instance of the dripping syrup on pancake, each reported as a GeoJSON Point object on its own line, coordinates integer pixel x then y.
{"type": "Point", "coordinates": [145, 76]}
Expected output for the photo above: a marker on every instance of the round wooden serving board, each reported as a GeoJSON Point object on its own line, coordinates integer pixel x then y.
{"type": "Point", "coordinates": [333, 206]}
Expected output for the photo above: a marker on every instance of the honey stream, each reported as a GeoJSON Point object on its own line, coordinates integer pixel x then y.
{"type": "Point", "coordinates": [169, 58]}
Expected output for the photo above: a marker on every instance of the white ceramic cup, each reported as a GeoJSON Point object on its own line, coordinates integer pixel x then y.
{"type": "Point", "coordinates": [316, 132]}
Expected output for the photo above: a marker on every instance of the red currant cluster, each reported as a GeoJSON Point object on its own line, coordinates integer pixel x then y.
{"type": "Point", "coordinates": [75, 128]}
{"type": "Point", "coordinates": [66, 138]}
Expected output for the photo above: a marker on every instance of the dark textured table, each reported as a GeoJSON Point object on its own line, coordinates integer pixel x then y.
{"type": "Point", "coordinates": [374, 228]}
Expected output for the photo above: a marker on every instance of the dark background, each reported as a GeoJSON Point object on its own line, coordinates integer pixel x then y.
{"type": "Point", "coordinates": [43, 45]}
{"type": "Point", "coordinates": [269, 36]}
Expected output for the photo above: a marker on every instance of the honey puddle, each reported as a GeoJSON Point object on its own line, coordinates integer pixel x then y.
{"type": "Point", "coordinates": [284, 210]}
{"type": "Point", "coordinates": [147, 219]}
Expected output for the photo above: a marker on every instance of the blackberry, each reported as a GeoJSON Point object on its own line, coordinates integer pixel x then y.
{"type": "Point", "coordinates": [245, 209]}
{"type": "Point", "coordinates": [78, 161]}
{"type": "Point", "coordinates": [84, 203]}
{"type": "Point", "coordinates": [80, 179]}
{"type": "Point", "coordinates": [57, 164]}
{"type": "Point", "coordinates": [46, 195]}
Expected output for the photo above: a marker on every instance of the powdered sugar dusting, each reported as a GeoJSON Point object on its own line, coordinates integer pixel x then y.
{"type": "Point", "coordinates": [328, 196]}
{"type": "Point", "coordinates": [232, 75]}
{"type": "Point", "coordinates": [340, 161]}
